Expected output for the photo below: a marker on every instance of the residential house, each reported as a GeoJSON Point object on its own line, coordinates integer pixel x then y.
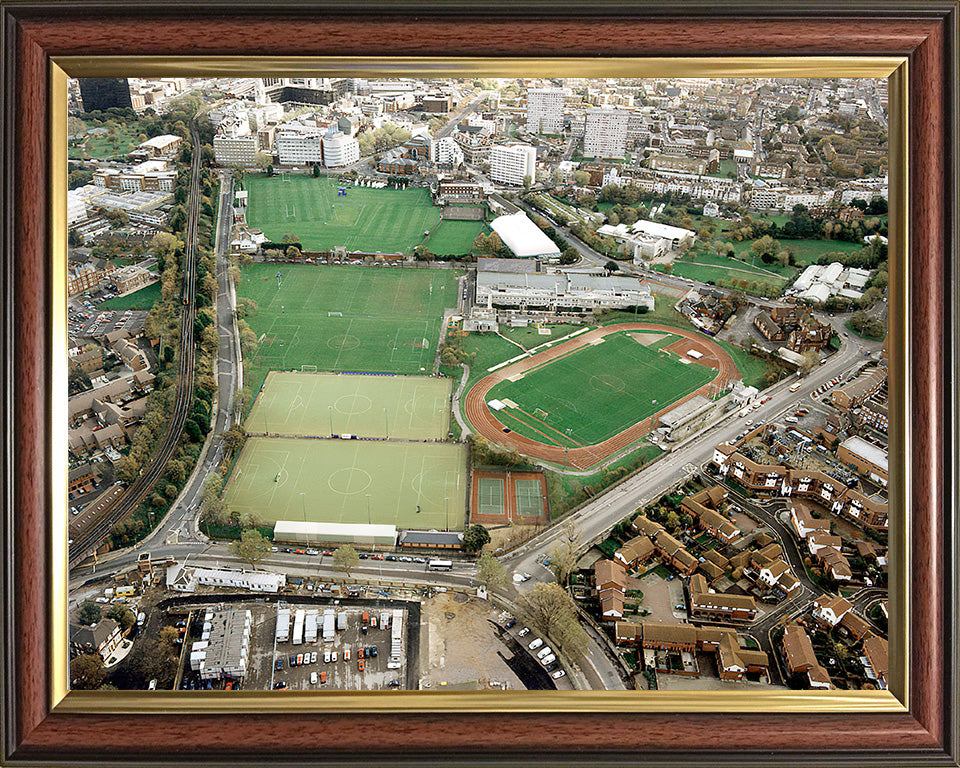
{"type": "Point", "coordinates": [102, 638]}
{"type": "Point", "coordinates": [718, 606]}
{"type": "Point", "coordinates": [610, 581]}
{"type": "Point", "coordinates": [829, 610]}
{"type": "Point", "coordinates": [875, 660]}
{"type": "Point", "coordinates": [801, 659]}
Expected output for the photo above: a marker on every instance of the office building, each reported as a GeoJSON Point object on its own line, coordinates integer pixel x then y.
{"type": "Point", "coordinates": [510, 164]}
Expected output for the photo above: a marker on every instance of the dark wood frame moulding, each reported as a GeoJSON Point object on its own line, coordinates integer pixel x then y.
{"type": "Point", "coordinates": [925, 32]}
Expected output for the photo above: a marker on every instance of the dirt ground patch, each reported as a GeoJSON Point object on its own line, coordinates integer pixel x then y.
{"type": "Point", "coordinates": [510, 536]}
{"type": "Point", "coordinates": [659, 597]}
{"type": "Point", "coordinates": [460, 645]}
{"type": "Point", "coordinates": [647, 338]}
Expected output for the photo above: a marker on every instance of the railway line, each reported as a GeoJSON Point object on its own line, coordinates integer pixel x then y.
{"type": "Point", "coordinates": [117, 507]}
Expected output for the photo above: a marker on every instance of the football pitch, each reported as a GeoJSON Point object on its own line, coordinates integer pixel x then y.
{"type": "Point", "coordinates": [345, 318]}
{"type": "Point", "coordinates": [596, 392]}
{"type": "Point", "coordinates": [453, 237]}
{"type": "Point", "coordinates": [410, 485]}
{"type": "Point", "coordinates": [321, 404]}
{"type": "Point", "coordinates": [370, 220]}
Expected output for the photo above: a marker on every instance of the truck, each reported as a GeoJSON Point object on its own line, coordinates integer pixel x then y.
{"type": "Point", "coordinates": [341, 621]}
{"type": "Point", "coordinates": [329, 625]}
{"type": "Point", "coordinates": [298, 621]}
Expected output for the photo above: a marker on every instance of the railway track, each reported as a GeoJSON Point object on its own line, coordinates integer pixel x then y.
{"type": "Point", "coordinates": [119, 508]}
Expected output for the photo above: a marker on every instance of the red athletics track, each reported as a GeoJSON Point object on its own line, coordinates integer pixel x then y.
{"type": "Point", "coordinates": [485, 423]}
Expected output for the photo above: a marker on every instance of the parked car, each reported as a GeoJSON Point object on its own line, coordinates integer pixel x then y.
{"type": "Point", "coordinates": [313, 678]}
{"type": "Point", "coordinates": [510, 624]}
{"type": "Point", "coordinates": [548, 659]}
{"type": "Point", "coordinates": [558, 674]}
{"type": "Point", "coordinates": [524, 631]}
{"type": "Point", "coordinates": [313, 657]}
{"type": "Point", "coordinates": [293, 660]}
{"type": "Point", "coordinates": [333, 657]}
{"type": "Point", "coordinates": [544, 652]}
{"type": "Point", "coordinates": [279, 664]}
{"type": "Point", "coordinates": [326, 657]}
{"type": "Point", "coordinates": [360, 665]}
{"type": "Point", "coordinates": [372, 651]}
{"type": "Point", "coordinates": [537, 642]}
{"type": "Point", "coordinates": [323, 678]}
{"type": "Point", "coordinates": [299, 659]}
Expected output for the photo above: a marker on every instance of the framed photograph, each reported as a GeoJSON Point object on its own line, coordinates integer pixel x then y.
{"type": "Point", "coordinates": [683, 159]}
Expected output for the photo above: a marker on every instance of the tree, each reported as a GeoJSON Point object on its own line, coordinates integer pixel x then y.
{"type": "Point", "coordinates": [766, 248]}
{"type": "Point", "coordinates": [270, 170]}
{"type": "Point", "coordinates": [346, 557]}
{"type": "Point", "coordinates": [581, 178]}
{"type": "Point", "coordinates": [90, 613]}
{"type": "Point", "coordinates": [123, 616]}
{"type": "Point", "coordinates": [564, 555]}
{"type": "Point", "coordinates": [234, 438]}
{"type": "Point", "coordinates": [490, 571]}
{"type": "Point", "coordinates": [611, 266]}
{"type": "Point", "coordinates": [316, 170]}
{"type": "Point", "coordinates": [475, 537]}
{"type": "Point", "coordinates": [811, 358]}
{"type": "Point", "coordinates": [263, 161]}
{"type": "Point", "coordinates": [549, 609]}
{"type": "Point", "coordinates": [86, 672]}
{"type": "Point", "coordinates": [527, 181]}
{"type": "Point", "coordinates": [570, 256]}
{"type": "Point", "coordinates": [252, 546]}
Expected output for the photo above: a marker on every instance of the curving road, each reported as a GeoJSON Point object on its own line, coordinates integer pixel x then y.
{"type": "Point", "coordinates": [485, 423]}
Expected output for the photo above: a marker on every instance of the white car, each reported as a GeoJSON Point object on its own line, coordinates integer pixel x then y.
{"type": "Point", "coordinates": [346, 654]}
{"type": "Point", "coordinates": [333, 657]}
{"type": "Point", "coordinates": [313, 657]}
{"type": "Point", "coordinates": [326, 657]}
{"type": "Point", "coordinates": [313, 678]}
{"type": "Point", "coordinates": [524, 631]}
{"type": "Point", "coordinates": [548, 659]}
{"type": "Point", "coordinates": [545, 651]}
{"type": "Point", "coordinates": [535, 644]}
{"type": "Point", "coordinates": [558, 674]}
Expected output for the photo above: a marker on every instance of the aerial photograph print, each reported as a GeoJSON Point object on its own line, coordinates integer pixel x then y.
{"type": "Point", "coordinates": [477, 384]}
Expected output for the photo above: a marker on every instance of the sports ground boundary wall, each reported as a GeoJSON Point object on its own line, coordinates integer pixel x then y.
{"type": "Point", "coordinates": [464, 212]}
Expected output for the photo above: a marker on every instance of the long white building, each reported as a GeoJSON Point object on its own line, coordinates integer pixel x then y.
{"type": "Point", "coordinates": [509, 164]}
{"type": "Point", "coordinates": [299, 144]}
{"type": "Point", "coordinates": [524, 238]}
{"type": "Point", "coordinates": [605, 133]}
{"type": "Point", "coordinates": [559, 291]}
{"type": "Point", "coordinates": [545, 110]}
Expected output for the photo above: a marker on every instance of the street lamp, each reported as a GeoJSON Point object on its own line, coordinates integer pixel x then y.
{"type": "Point", "coordinates": [330, 410]}
{"type": "Point", "coordinates": [446, 512]}
{"type": "Point", "coordinates": [386, 425]}
{"type": "Point", "coordinates": [368, 509]}
{"type": "Point", "coordinates": [303, 506]}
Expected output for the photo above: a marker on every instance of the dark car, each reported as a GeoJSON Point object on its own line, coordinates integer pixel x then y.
{"type": "Point", "coordinates": [363, 555]}
{"type": "Point", "coordinates": [293, 660]}
{"type": "Point", "coordinates": [279, 664]}
{"type": "Point", "coordinates": [392, 558]}
{"type": "Point", "coordinates": [510, 624]}
{"type": "Point", "coordinates": [372, 651]}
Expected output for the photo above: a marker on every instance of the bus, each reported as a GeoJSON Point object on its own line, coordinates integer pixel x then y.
{"type": "Point", "coordinates": [439, 565]}
{"type": "Point", "coordinates": [795, 387]}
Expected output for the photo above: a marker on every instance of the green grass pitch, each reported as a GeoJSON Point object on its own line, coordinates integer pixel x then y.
{"type": "Point", "coordinates": [390, 317]}
{"type": "Point", "coordinates": [597, 391]}
{"type": "Point", "coordinates": [370, 220]}
{"type": "Point", "coordinates": [452, 237]}
{"type": "Point", "coordinates": [320, 404]}
{"type": "Point", "coordinates": [336, 476]}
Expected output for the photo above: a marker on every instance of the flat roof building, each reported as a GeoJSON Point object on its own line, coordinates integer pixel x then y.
{"type": "Point", "coordinates": [523, 237]}
{"type": "Point", "coordinates": [298, 532]}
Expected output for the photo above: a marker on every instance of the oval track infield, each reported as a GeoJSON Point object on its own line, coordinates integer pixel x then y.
{"type": "Point", "coordinates": [485, 422]}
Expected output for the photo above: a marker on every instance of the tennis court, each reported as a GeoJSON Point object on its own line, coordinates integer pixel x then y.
{"type": "Point", "coordinates": [529, 497]}
{"type": "Point", "coordinates": [596, 391]}
{"type": "Point", "coordinates": [410, 485]}
{"type": "Point", "coordinates": [322, 404]}
{"type": "Point", "coordinates": [490, 496]}
{"type": "Point", "coordinates": [366, 219]}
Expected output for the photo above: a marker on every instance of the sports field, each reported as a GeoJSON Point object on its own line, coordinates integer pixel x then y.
{"type": "Point", "coordinates": [370, 220]}
{"type": "Point", "coordinates": [597, 391]}
{"type": "Point", "coordinates": [452, 237]}
{"type": "Point", "coordinates": [406, 407]}
{"type": "Point", "coordinates": [345, 318]}
{"type": "Point", "coordinates": [331, 481]}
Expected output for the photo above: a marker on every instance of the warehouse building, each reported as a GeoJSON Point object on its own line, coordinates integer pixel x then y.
{"type": "Point", "coordinates": [525, 238]}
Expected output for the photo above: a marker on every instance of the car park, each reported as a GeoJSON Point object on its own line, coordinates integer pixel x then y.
{"type": "Point", "coordinates": [360, 665]}
{"type": "Point", "coordinates": [548, 659]}
{"type": "Point", "coordinates": [326, 657]}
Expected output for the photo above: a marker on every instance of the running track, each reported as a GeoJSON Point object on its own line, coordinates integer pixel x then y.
{"type": "Point", "coordinates": [485, 423]}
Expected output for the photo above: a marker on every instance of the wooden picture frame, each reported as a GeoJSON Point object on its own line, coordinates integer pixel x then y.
{"type": "Point", "coordinates": [42, 727]}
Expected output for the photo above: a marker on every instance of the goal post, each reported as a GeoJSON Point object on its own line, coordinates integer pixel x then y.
{"type": "Point", "coordinates": [308, 368]}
